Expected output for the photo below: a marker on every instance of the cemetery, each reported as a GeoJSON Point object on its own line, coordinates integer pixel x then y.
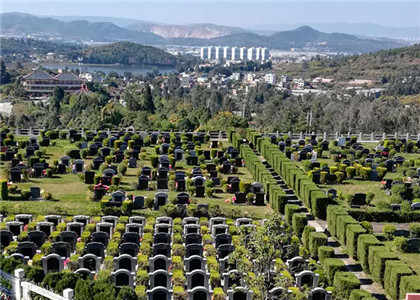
{"type": "Point", "coordinates": [152, 215]}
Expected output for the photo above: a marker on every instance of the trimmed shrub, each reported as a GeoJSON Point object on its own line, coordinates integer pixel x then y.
{"type": "Point", "coordinates": [344, 283]}
{"type": "Point", "coordinates": [332, 212]}
{"type": "Point", "coordinates": [316, 240]}
{"type": "Point", "coordinates": [325, 252]}
{"type": "Point", "coordinates": [394, 270]}
{"type": "Point", "coordinates": [352, 233]}
{"type": "Point", "coordinates": [319, 204]}
{"type": "Point", "coordinates": [359, 295]}
{"type": "Point", "coordinates": [290, 210]}
{"type": "Point", "coordinates": [299, 221]}
{"type": "Point", "coordinates": [305, 235]}
{"type": "Point", "coordinates": [4, 190]}
{"type": "Point", "coordinates": [363, 243]}
{"type": "Point", "coordinates": [378, 255]}
{"type": "Point", "coordinates": [409, 284]}
{"type": "Point", "coordinates": [342, 222]}
{"type": "Point", "coordinates": [331, 266]}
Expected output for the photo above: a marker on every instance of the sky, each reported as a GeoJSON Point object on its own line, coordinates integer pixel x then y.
{"type": "Point", "coordinates": [248, 13]}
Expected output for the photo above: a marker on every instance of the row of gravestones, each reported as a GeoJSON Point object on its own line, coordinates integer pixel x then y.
{"type": "Point", "coordinates": [125, 263]}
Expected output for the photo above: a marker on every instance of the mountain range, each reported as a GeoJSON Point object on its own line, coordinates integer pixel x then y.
{"type": "Point", "coordinates": [106, 29]}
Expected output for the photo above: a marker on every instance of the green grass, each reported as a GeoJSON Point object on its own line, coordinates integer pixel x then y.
{"type": "Point", "coordinates": [71, 196]}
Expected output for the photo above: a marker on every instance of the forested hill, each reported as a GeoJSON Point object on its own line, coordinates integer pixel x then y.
{"type": "Point", "coordinates": [381, 65]}
{"type": "Point", "coordinates": [128, 53]}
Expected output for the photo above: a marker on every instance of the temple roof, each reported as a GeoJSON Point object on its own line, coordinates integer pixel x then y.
{"type": "Point", "coordinates": [66, 76]}
{"type": "Point", "coordinates": [38, 75]}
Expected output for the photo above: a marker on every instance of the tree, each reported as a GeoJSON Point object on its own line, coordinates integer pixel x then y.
{"type": "Point", "coordinates": [83, 290]}
{"type": "Point", "coordinates": [4, 75]}
{"type": "Point", "coordinates": [148, 103]}
{"type": "Point", "coordinates": [126, 293]}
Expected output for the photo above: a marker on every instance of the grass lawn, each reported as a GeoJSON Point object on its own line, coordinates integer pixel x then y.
{"type": "Point", "coordinates": [72, 197]}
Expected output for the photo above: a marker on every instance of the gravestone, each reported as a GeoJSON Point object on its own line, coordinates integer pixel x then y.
{"type": "Point", "coordinates": [69, 237]}
{"type": "Point", "coordinates": [100, 237]}
{"type": "Point", "coordinates": [6, 237]}
{"type": "Point", "coordinates": [296, 264]}
{"type": "Point", "coordinates": [125, 262]}
{"type": "Point", "coordinates": [61, 248]}
{"type": "Point", "coordinates": [55, 219]}
{"type": "Point", "coordinates": [110, 219]}
{"type": "Point", "coordinates": [197, 278]}
{"type": "Point", "coordinates": [307, 278]}
{"type": "Point", "coordinates": [195, 262]}
{"type": "Point", "coordinates": [159, 293]}
{"type": "Point", "coordinates": [89, 177]}
{"type": "Point", "coordinates": [15, 175]}
{"type": "Point", "coordinates": [193, 238]}
{"type": "Point", "coordinates": [81, 219]}
{"type": "Point", "coordinates": [24, 218]}
{"type": "Point", "coordinates": [90, 261]}
{"type": "Point", "coordinates": [193, 249]}
{"type": "Point", "coordinates": [319, 294]}
{"type": "Point", "coordinates": [137, 220]}
{"type": "Point", "coordinates": [138, 202]}
{"type": "Point", "coordinates": [159, 278]}
{"type": "Point", "coordinates": [143, 182]}
{"type": "Point", "coordinates": [199, 293]}
{"type": "Point", "coordinates": [132, 163]}
{"type": "Point", "coordinates": [76, 227]}
{"type": "Point", "coordinates": [191, 228]}
{"type": "Point", "coordinates": [27, 249]}
{"type": "Point", "coordinates": [131, 237]}
{"type": "Point", "coordinates": [46, 227]}
{"type": "Point", "coordinates": [104, 227]}
{"type": "Point", "coordinates": [95, 248]}
{"type": "Point", "coordinates": [162, 183]}
{"type": "Point", "coordinates": [129, 248]}
{"type": "Point", "coordinates": [159, 262]}
{"type": "Point", "coordinates": [52, 263]}
{"type": "Point", "coordinates": [160, 200]}
{"type": "Point", "coordinates": [35, 193]}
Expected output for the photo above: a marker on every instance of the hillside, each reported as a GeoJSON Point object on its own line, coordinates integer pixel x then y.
{"type": "Point", "coordinates": [384, 65]}
{"type": "Point", "coordinates": [201, 31]}
{"type": "Point", "coordinates": [79, 30]}
{"type": "Point", "coordinates": [303, 38]}
{"type": "Point", "coordinates": [128, 53]}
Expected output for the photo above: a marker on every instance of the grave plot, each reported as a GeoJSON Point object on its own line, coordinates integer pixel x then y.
{"type": "Point", "coordinates": [377, 253]}
{"type": "Point", "coordinates": [174, 258]}
{"type": "Point", "coordinates": [125, 171]}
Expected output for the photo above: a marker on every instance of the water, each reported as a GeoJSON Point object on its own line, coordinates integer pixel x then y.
{"type": "Point", "coordinates": [120, 69]}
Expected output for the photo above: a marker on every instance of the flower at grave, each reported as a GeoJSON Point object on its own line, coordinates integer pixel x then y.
{"type": "Point", "coordinates": [25, 228]}
{"type": "Point", "coordinates": [79, 239]}
{"type": "Point", "coordinates": [170, 166]}
{"type": "Point", "coordinates": [227, 200]}
{"type": "Point", "coordinates": [66, 261]}
{"type": "Point", "coordinates": [383, 182]}
{"type": "Point", "coordinates": [233, 199]}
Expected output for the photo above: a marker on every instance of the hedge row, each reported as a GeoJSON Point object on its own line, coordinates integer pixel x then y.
{"type": "Point", "coordinates": [313, 197]}
{"type": "Point", "coordinates": [385, 267]}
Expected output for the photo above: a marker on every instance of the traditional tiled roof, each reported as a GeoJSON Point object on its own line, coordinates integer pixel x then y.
{"type": "Point", "coordinates": [67, 77]}
{"type": "Point", "coordinates": [38, 75]}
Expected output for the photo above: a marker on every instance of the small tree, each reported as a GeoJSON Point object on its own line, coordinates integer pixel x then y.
{"type": "Point", "coordinates": [126, 293]}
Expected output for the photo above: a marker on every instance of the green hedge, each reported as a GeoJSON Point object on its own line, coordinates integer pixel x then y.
{"type": "Point", "coordinates": [352, 233]}
{"type": "Point", "coordinates": [316, 240]}
{"type": "Point", "coordinates": [344, 283]}
{"type": "Point", "coordinates": [394, 270]}
{"type": "Point", "coordinates": [342, 221]}
{"type": "Point", "coordinates": [363, 243]}
{"type": "Point", "coordinates": [332, 212]}
{"type": "Point", "coordinates": [325, 252]}
{"type": "Point", "coordinates": [359, 295]}
{"type": "Point", "coordinates": [299, 221]}
{"type": "Point", "coordinates": [378, 255]}
{"type": "Point", "coordinates": [290, 210]}
{"type": "Point", "coordinates": [305, 235]}
{"type": "Point", "coordinates": [331, 266]}
{"type": "Point", "coordinates": [409, 284]}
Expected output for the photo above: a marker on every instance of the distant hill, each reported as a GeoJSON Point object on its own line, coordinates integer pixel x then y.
{"type": "Point", "coordinates": [303, 38]}
{"type": "Point", "coordinates": [79, 30]}
{"type": "Point", "coordinates": [128, 54]}
{"type": "Point", "coordinates": [380, 66]}
{"type": "Point", "coordinates": [201, 31]}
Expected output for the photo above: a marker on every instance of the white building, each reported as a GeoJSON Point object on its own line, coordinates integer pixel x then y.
{"type": "Point", "coordinates": [204, 52]}
{"type": "Point", "coordinates": [218, 55]}
{"type": "Point", "coordinates": [270, 78]}
{"type": "Point", "coordinates": [242, 53]}
{"type": "Point", "coordinates": [211, 53]}
{"type": "Point", "coordinates": [227, 53]}
{"type": "Point", "coordinates": [258, 53]}
{"type": "Point", "coordinates": [251, 53]}
{"type": "Point", "coordinates": [263, 54]}
{"type": "Point", "coordinates": [235, 55]}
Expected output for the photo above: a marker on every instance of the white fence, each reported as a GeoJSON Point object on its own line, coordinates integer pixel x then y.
{"type": "Point", "coordinates": [22, 289]}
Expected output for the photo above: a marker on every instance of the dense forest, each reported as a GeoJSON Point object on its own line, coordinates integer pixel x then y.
{"type": "Point", "coordinates": [128, 54]}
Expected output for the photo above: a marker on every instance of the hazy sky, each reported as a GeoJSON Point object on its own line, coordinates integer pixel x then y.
{"type": "Point", "coordinates": [231, 12]}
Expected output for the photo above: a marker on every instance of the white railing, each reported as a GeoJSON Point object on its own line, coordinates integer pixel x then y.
{"type": "Point", "coordinates": [22, 289]}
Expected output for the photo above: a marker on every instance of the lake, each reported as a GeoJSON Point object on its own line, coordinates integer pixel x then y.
{"type": "Point", "coordinates": [120, 69]}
